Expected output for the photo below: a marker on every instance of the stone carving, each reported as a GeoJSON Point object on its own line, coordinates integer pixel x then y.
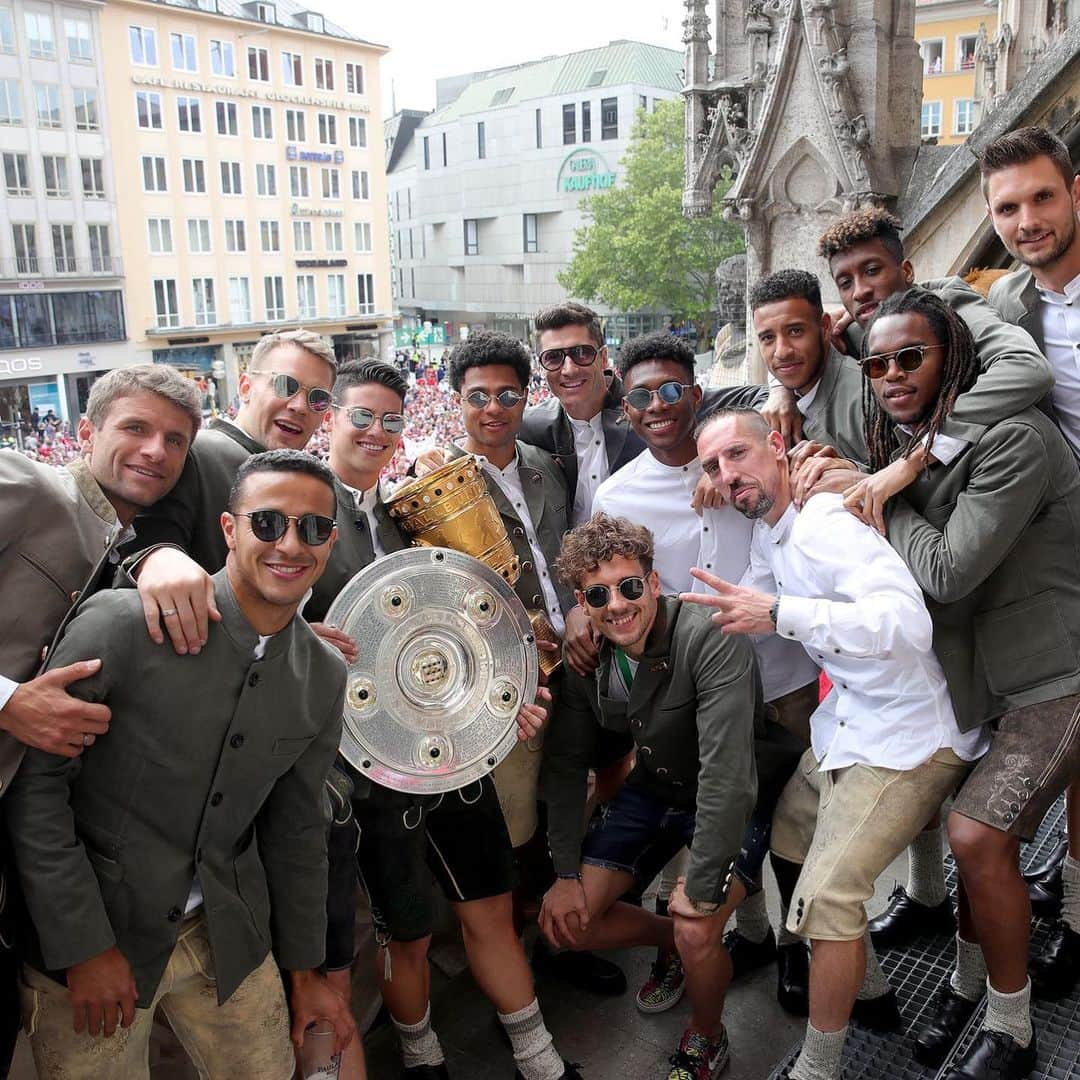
{"type": "Point", "coordinates": [854, 137]}
{"type": "Point", "coordinates": [731, 289]}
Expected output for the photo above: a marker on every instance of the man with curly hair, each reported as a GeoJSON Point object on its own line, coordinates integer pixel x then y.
{"type": "Point", "coordinates": [690, 698]}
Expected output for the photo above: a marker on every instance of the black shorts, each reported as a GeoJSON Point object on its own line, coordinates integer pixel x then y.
{"type": "Point", "coordinates": [460, 838]}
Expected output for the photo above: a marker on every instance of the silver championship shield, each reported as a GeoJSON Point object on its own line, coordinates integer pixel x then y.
{"type": "Point", "coordinates": [446, 657]}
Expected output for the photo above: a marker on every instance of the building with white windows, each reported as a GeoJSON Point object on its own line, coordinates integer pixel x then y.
{"type": "Point", "coordinates": [485, 191]}
{"type": "Point", "coordinates": [251, 181]}
{"type": "Point", "coordinates": [62, 317]}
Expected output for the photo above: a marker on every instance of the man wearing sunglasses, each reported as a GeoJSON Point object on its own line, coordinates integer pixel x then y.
{"type": "Point", "coordinates": [284, 396]}
{"type": "Point", "coordinates": [209, 873]}
{"type": "Point", "coordinates": [690, 700]}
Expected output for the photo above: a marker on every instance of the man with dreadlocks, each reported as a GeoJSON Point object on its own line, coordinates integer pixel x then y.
{"type": "Point", "coordinates": [994, 541]}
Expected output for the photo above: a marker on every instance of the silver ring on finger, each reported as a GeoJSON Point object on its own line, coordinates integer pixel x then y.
{"type": "Point", "coordinates": [87, 738]}
{"type": "Point", "coordinates": [166, 612]}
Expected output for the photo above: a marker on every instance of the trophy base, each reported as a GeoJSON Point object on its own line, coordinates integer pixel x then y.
{"type": "Point", "coordinates": [544, 631]}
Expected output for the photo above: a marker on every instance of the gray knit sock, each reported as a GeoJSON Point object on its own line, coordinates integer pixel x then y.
{"type": "Point", "coordinates": [752, 917]}
{"type": "Point", "coordinates": [419, 1044]}
{"type": "Point", "coordinates": [874, 982]}
{"type": "Point", "coordinates": [1070, 903]}
{"type": "Point", "coordinates": [926, 868]}
{"type": "Point", "coordinates": [1010, 1013]}
{"type": "Point", "coordinates": [820, 1055]}
{"type": "Point", "coordinates": [969, 978]}
{"type": "Point", "coordinates": [534, 1054]}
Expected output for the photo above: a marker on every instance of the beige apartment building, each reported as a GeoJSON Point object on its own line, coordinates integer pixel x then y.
{"type": "Point", "coordinates": [249, 165]}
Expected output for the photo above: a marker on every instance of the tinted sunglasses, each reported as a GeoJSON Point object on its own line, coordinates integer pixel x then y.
{"type": "Point", "coordinates": [393, 423]}
{"type": "Point", "coordinates": [598, 596]}
{"type": "Point", "coordinates": [669, 393]}
{"type": "Point", "coordinates": [582, 355]}
{"type": "Point", "coordinates": [270, 526]}
{"type": "Point", "coordinates": [909, 358]}
{"type": "Point", "coordinates": [285, 386]}
{"type": "Point", "coordinates": [506, 398]}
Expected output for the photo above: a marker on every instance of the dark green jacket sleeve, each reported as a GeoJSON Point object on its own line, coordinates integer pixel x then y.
{"type": "Point", "coordinates": [733, 397]}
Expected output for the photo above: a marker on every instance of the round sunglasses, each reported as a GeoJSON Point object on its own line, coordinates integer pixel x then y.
{"type": "Point", "coordinates": [582, 355]}
{"type": "Point", "coordinates": [270, 526]}
{"type": "Point", "coordinates": [909, 358]}
{"type": "Point", "coordinates": [478, 399]}
{"type": "Point", "coordinates": [285, 386]}
{"type": "Point", "coordinates": [393, 423]}
{"type": "Point", "coordinates": [598, 596]}
{"type": "Point", "coordinates": [669, 393]}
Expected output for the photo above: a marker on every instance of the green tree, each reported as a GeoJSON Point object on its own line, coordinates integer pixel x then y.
{"type": "Point", "coordinates": [637, 250]}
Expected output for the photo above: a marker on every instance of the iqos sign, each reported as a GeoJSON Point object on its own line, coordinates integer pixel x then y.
{"type": "Point", "coordinates": [584, 170]}
{"type": "Point", "coordinates": [20, 365]}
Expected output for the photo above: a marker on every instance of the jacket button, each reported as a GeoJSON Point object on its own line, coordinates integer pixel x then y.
{"type": "Point", "coordinates": [175, 914]}
{"type": "Point", "coordinates": [537, 600]}
{"type": "Point", "coordinates": [519, 532]}
{"type": "Point", "coordinates": [253, 679]}
{"type": "Point", "coordinates": [536, 478]}
{"type": "Point", "coordinates": [646, 750]}
{"type": "Point", "coordinates": [527, 565]}
{"type": "Point", "coordinates": [661, 771]}
{"type": "Point", "coordinates": [215, 799]}
{"type": "Point", "coordinates": [236, 742]}
{"type": "Point", "coordinates": [75, 595]}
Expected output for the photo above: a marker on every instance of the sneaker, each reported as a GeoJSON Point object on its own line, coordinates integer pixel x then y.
{"type": "Point", "coordinates": [664, 986]}
{"type": "Point", "coordinates": [699, 1059]}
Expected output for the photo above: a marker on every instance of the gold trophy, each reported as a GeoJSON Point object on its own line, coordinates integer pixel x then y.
{"type": "Point", "coordinates": [451, 507]}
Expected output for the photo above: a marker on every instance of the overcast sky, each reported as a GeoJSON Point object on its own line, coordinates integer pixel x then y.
{"type": "Point", "coordinates": [432, 38]}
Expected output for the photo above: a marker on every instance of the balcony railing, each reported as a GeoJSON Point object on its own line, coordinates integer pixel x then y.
{"type": "Point", "coordinates": [35, 266]}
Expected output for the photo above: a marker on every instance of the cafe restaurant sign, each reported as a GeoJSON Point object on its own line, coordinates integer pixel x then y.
{"type": "Point", "coordinates": [584, 170]}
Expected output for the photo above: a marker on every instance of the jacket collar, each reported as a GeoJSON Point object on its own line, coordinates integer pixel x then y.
{"type": "Point", "coordinates": [830, 375]}
{"type": "Point", "coordinates": [91, 491]}
{"type": "Point", "coordinates": [237, 434]}
{"type": "Point", "coordinates": [241, 633]}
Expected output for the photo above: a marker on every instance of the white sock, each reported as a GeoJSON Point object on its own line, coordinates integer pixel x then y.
{"type": "Point", "coordinates": [874, 982]}
{"type": "Point", "coordinates": [419, 1044]}
{"type": "Point", "coordinates": [752, 918]}
{"type": "Point", "coordinates": [820, 1055]}
{"type": "Point", "coordinates": [534, 1054]}
{"type": "Point", "coordinates": [969, 978]}
{"type": "Point", "coordinates": [926, 868]}
{"type": "Point", "coordinates": [1070, 903]}
{"type": "Point", "coordinates": [1009, 1013]}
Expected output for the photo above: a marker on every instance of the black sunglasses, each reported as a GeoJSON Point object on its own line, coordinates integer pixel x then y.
{"type": "Point", "coordinates": [478, 399]}
{"type": "Point", "coordinates": [909, 358]}
{"type": "Point", "coordinates": [669, 393]}
{"type": "Point", "coordinates": [285, 386]}
{"type": "Point", "coordinates": [271, 525]}
{"type": "Point", "coordinates": [598, 596]}
{"type": "Point", "coordinates": [582, 355]}
{"type": "Point", "coordinates": [393, 423]}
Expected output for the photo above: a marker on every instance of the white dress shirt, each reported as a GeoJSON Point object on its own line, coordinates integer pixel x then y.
{"type": "Point", "coordinates": [509, 481]}
{"type": "Point", "coordinates": [658, 496]}
{"type": "Point", "coordinates": [590, 449]}
{"type": "Point", "coordinates": [848, 597]}
{"type": "Point", "coordinates": [1060, 316]}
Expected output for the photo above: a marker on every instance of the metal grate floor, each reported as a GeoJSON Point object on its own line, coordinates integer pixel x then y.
{"type": "Point", "coordinates": [917, 972]}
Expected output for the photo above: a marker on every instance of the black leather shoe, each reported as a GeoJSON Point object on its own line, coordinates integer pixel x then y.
{"type": "Point", "coordinates": [878, 1014]}
{"type": "Point", "coordinates": [1055, 970]}
{"type": "Point", "coordinates": [906, 919]}
{"type": "Point", "coordinates": [994, 1056]}
{"type": "Point", "coordinates": [571, 1071]}
{"type": "Point", "coordinates": [1051, 864]}
{"type": "Point", "coordinates": [1044, 883]}
{"type": "Point", "coordinates": [425, 1072]}
{"type": "Point", "coordinates": [793, 978]}
{"type": "Point", "coordinates": [950, 1013]}
{"type": "Point", "coordinates": [747, 955]}
{"type": "Point", "coordinates": [585, 970]}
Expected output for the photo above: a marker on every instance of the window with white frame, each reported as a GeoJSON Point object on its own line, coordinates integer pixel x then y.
{"type": "Point", "coordinates": [292, 69]}
{"type": "Point", "coordinates": [324, 73]}
{"type": "Point", "coordinates": [63, 243]}
{"type": "Point", "coordinates": [331, 183]}
{"type": "Point", "coordinates": [258, 64]}
{"type": "Point", "coordinates": [86, 109]}
{"type": "Point", "coordinates": [26, 252]}
{"type": "Point", "coordinates": [964, 113]}
{"type": "Point", "coordinates": [265, 180]}
{"type": "Point", "coordinates": [159, 236]}
{"type": "Point", "coordinates": [182, 49]}
{"type": "Point", "coordinates": [202, 297]}
{"type": "Point", "coordinates": [362, 235]}
{"type": "Point", "coordinates": [530, 232]}
{"type": "Point", "coordinates": [235, 235]}
{"type": "Point", "coordinates": [295, 125]}
{"type": "Point", "coordinates": [143, 43]}
{"type": "Point", "coordinates": [17, 174]}
{"type": "Point", "coordinates": [301, 234]}
{"type": "Point", "coordinates": [80, 46]}
{"type": "Point", "coordinates": [39, 35]}
{"type": "Point", "coordinates": [357, 131]}
{"type": "Point", "coordinates": [198, 235]}
{"type": "Point", "coordinates": [10, 103]}
{"type": "Point", "coordinates": [262, 122]}
{"type": "Point", "coordinates": [306, 308]}
{"type": "Point", "coordinates": [7, 31]}
{"type": "Point", "coordinates": [189, 115]}
{"type": "Point", "coordinates": [931, 119]}
{"type": "Point", "coordinates": [327, 129]}
{"type": "Point", "coordinates": [965, 51]}
{"type": "Point", "coordinates": [226, 118]}
{"type": "Point", "coordinates": [47, 98]}
{"type": "Point", "coordinates": [100, 249]}
{"type": "Point", "coordinates": [360, 187]}
{"type": "Point", "coordinates": [365, 294]}
{"type": "Point", "coordinates": [239, 300]}
{"type": "Point", "coordinates": [148, 114]}
{"type": "Point", "coordinates": [354, 78]}
{"type": "Point", "coordinates": [299, 187]}
{"type": "Point", "coordinates": [274, 295]}
{"type": "Point", "coordinates": [335, 295]}
{"type": "Point", "coordinates": [472, 237]}
{"type": "Point", "coordinates": [154, 173]}
{"type": "Point", "coordinates": [193, 173]}
{"type": "Point", "coordinates": [93, 177]}
{"type": "Point", "coordinates": [269, 237]}
{"type": "Point", "coordinates": [231, 183]}
{"type": "Point", "coordinates": [334, 236]}
{"type": "Point", "coordinates": [266, 13]}
{"type": "Point", "coordinates": [933, 55]}
{"type": "Point", "coordinates": [222, 58]}
{"type": "Point", "coordinates": [166, 307]}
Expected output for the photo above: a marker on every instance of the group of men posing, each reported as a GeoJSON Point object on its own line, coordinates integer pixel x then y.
{"type": "Point", "coordinates": [894, 511]}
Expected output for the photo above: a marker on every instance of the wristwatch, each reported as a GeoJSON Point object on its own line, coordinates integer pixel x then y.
{"type": "Point", "coordinates": [575, 876]}
{"type": "Point", "coordinates": [774, 611]}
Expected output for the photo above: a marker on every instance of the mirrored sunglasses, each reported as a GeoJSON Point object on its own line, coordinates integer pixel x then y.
{"type": "Point", "coordinates": [392, 423]}
{"type": "Point", "coordinates": [506, 398]}
{"type": "Point", "coordinates": [285, 386]}
{"type": "Point", "coordinates": [669, 393]}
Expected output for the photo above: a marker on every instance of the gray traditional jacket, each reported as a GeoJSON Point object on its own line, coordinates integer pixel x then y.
{"type": "Point", "coordinates": [994, 542]}
{"type": "Point", "coordinates": [213, 766]}
{"type": "Point", "coordinates": [695, 713]}
{"type": "Point", "coordinates": [1016, 297]}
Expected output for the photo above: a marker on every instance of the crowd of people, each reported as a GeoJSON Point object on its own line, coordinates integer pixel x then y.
{"type": "Point", "coordinates": [796, 620]}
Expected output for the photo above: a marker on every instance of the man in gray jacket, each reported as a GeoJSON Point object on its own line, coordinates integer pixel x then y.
{"type": "Point", "coordinates": [176, 893]}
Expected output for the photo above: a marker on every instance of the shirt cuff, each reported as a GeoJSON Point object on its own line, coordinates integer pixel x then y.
{"type": "Point", "coordinates": [946, 449]}
{"type": "Point", "coordinates": [795, 617]}
{"type": "Point", "coordinates": [7, 688]}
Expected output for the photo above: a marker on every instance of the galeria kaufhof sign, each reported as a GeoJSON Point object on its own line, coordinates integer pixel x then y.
{"type": "Point", "coordinates": [584, 170]}
{"type": "Point", "coordinates": [228, 90]}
